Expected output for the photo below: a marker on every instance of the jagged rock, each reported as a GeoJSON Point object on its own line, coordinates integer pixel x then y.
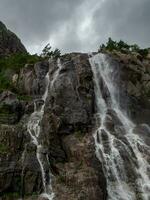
{"type": "Point", "coordinates": [32, 78]}
{"type": "Point", "coordinates": [12, 141]}
{"type": "Point", "coordinates": [67, 126]}
{"type": "Point", "coordinates": [81, 177]}
{"type": "Point", "coordinates": [134, 85]}
{"type": "Point", "coordinates": [9, 42]}
{"type": "Point", "coordinates": [10, 107]}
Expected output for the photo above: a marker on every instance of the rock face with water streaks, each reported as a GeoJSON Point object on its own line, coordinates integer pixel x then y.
{"type": "Point", "coordinates": [67, 127]}
{"type": "Point", "coordinates": [135, 83]}
{"type": "Point", "coordinates": [66, 133]}
{"type": "Point", "coordinates": [122, 150]}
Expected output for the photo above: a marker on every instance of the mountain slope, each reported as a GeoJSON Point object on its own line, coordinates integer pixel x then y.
{"type": "Point", "coordinates": [9, 42]}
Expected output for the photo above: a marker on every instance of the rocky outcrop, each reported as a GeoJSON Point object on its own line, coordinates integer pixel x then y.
{"type": "Point", "coordinates": [11, 108]}
{"type": "Point", "coordinates": [9, 42]}
{"type": "Point", "coordinates": [67, 130]}
{"type": "Point", "coordinates": [66, 133]}
{"type": "Point", "coordinates": [67, 126]}
{"type": "Point", "coordinates": [134, 84]}
{"type": "Point", "coordinates": [32, 78]}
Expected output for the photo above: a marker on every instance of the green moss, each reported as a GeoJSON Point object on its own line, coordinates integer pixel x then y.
{"type": "Point", "coordinates": [24, 98]}
{"type": "Point", "coordinates": [17, 195]}
{"type": "Point", "coordinates": [79, 135]}
{"type": "Point", "coordinates": [146, 92]}
{"type": "Point", "coordinates": [5, 109]}
{"type": "Point", "coordinates": [11, 195]}
{"type": "Point", "coordinates": [61, 178]}
{"type": "Point", "coordinates": [79, 165]}
{"type": "Point", "coordinates": [3, 148]}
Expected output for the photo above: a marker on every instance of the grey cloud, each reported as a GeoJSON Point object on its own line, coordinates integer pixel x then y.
{"type": "Point", "coordinates": [124, 19]}
{"type": "Point", "coordinates": [76, 25]}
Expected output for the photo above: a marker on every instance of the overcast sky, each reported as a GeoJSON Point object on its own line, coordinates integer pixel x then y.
{"type": "Point", "coordinates": [76, 25]}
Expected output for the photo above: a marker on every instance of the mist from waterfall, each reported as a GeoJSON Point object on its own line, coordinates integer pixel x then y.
{"type": "Point", "coordinates": [121, 151]}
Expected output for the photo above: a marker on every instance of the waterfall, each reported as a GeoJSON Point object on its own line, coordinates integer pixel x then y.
{"type": "Point", "coordinates": [121, 151]}
{"type": "Point", "coordinates": [34, 131]}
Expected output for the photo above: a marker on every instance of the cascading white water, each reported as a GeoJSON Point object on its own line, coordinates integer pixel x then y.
{"type": "Point", "coordinates": [34, 131]}
{"type": "Point", "coordinates": [124, 164]}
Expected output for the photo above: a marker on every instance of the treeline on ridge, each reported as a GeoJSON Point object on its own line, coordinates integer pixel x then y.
{"type": "Point", "coordinates": [123, 47]}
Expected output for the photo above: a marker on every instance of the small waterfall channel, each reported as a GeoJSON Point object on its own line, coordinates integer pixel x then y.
{"type": "Point", "coordinates": [34, 130]}
{"type": "Point", "coordinates": [122, 152]}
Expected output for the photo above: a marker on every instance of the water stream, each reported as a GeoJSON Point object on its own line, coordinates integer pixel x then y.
{"type": "Point", "coordinates": [121, 151]}
{"type": "Point", "coordinates": [34, 131]}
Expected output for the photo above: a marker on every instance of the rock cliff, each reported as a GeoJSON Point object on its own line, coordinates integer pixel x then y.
{"type": "Point", "coordinates": [67, 125]}
{"type": "Point", "coordinates": [9, 42]}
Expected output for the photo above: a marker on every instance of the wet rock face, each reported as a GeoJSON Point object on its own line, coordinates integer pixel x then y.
{"type": "Point", "coordinates": [9, 42]}
{"type": "Point", "coordinates": [67, 127]}
{"type": "Point", "coordinates": [134, 84]}
{"type": "Point", "coordinates": [19, 169]}
{"type": "Point", "coordinates": [82, 176]}
{"type": "Point", "coordinates": [67, 130]}
{"type": "Point", "coordinates": [32, 78]}
{"type": "Point", "coordinates": [11, 109]}
{"type": "Point", "coordinates": [72, 94]}
{"type": "Point", "coordinates": [69, 106]}
{"type": "Point", "coordinates": [12, 140]}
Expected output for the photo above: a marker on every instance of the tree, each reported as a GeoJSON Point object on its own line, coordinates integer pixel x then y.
{"type": "Point", "coordinates": [102, 47]}
{"type": "Point", "coordinates": [135, 48]}
{"type": "Point", "coordinates": [111, 44]}
{"type": "Point", "coordinates": [47, 52]}
{"type": "Point", "coordinates": [143, 52]}
{"type": "Point", "coordinates": [56, 53]}
{"type": "Point", "coordinates": [121, 44]}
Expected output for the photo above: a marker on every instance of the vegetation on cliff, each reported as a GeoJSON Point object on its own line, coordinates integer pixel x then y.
{"type": "Point", "coordinates": [13, 63]}
{"type": "Point", "coordinates": [123, 47]}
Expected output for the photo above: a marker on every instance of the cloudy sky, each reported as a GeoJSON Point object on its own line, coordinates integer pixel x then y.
{"type": "Point", "coordinates": [76, 25]}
